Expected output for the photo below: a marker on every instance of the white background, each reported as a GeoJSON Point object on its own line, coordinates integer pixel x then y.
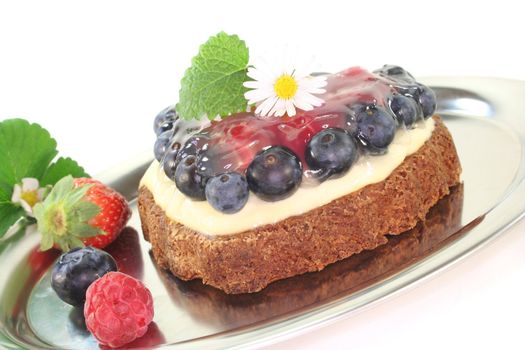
{"type": "Point", "coordinates": [96, 73]}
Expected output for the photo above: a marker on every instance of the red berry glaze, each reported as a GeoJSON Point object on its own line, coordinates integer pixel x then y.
{"type": "Point", "coordinates": [114, 212]}
{"type": "Point", "coordinates": [236, 140]}
{"type": "Point", "coordinates": [118, 309]}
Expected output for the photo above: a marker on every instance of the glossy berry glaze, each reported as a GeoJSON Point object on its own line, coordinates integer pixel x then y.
{"type": "Point", "coordinates": [362, 106]}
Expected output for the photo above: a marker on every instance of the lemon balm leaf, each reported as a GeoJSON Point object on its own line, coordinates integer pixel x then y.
{"type": "Point", "coordinates": [213, 85]}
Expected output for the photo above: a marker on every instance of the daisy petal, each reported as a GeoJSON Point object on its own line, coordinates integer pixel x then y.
{"type": "Point", "coordinates": [303, 104]}
{"type": "Point", "coordinates": [313, 100]}
{"type": "Point", "coordinates": [278, 109]}
{"type": "Point", "coordinates": [266, 106]}
{"type": "Point", "coordinates": [290, 108]}
{"type": "Point", "coordinates": [258, 95]}
{"type": "Point", "coordinates": [252, 84]}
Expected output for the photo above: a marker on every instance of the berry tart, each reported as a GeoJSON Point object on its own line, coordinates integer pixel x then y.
{"type": "Point", "coordinates": [290, 172]}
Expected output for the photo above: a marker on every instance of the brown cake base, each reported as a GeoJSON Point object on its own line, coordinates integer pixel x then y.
{"type": "Point", "coordinates": [247, 262]}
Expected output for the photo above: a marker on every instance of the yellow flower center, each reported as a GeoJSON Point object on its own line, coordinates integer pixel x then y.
{"type": "Point", "coordinates": [30, 197]}
{"type": "Point", "coordinates": [285, 87]}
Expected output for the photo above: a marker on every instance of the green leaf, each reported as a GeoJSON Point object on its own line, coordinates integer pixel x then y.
{"type": "Point", "coordinates": [85, 211]}
{"type": "Point", "coordinates": [25, 151]}
{"type": "Point", "coordinates": [61, 189]}
{"type": "Point", "coordinates": [9, 214]}
{"type": "Point", "coordinates": [84, 230]}
{"type": "Point", "coordinates": [46, 242]}
{"type": "Point", "coordinates": [213, 85]}
{"type": "Point", "coordinates": [62, 167]}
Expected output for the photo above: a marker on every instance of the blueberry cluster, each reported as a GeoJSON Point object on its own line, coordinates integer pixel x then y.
{"type": "Point", "coordinates": [275, 172]}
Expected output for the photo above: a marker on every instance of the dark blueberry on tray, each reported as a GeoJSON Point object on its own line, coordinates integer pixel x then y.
{"type": "Point", "coordinates": [227, 192]}
{"type": "Point", "coordinates": [164, 120]}
{"type": "Point", "coordinates": [376, 129]}
{"type": "Point", "coordinates": [187, 179]}
{"type": "Point", "coordinates": [161, 144]}
{"type": "Point", "coordinates": [169, 162]}
{"type": "Point", "coordinates": [274, 174]}
{"type": "Point", "coordinates": [75, 270]}
{"type": "Point", "coordinates": [405, 109]}
{"type": "Point", "coordinates": [427, 100]}
{"type": "Point", "coordinates": [331, 151]}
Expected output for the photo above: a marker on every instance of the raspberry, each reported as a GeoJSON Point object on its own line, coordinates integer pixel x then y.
{"type": "Point", "coordinates": [118, 309]}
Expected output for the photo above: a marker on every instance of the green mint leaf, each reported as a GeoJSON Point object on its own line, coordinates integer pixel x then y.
{"type": "Point", "coordinates": [25, 151]}
{"type": "Point", "coordinates": [213, 85]}
{"type": "Point", "coordinates": [62, 167]}
{"type": "Point", "coordinates": [9, 215]}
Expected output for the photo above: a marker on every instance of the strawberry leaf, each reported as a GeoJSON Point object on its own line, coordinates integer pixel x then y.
{"type": "Point", "coordinates": [63, 217]}
{"type": "Point", "coordinates": [9, 215]}
{"type": "Point", "coordinates": [25, 151]}
{"type": "Point", "coordinates": [213, 85]}
{"type": "Point", "coordinates": [62, 167]}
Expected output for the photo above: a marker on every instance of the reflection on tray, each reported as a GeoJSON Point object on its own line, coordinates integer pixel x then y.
{"type": "Point", "coordinates": [214, 307]}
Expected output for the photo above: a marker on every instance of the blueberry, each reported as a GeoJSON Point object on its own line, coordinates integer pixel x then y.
{"type": "Point", "coordinates": [169, 162]}
{"type": "Point", "coordinates": [274, 174]}
{"type": "Point", "coordinates": [161, 144]}
{"type": "Point", "coordinates": [332, 151]}
{"type": "Point", "coordinates": [227, 192]}
{"type": "Point", "coordinates": [427, 100]}
{"type": "Point", "coordinates": [164, 120]}
{"type": "Point", "coordinates": [187, 179]}
{"type": "Point", "coordinates": [193, 147]}
{"type": "Point", "coordinates": [405, 109]}
{"type": "Point", "coordinates": [408, 90]}
{"type": "Point", "coordinates": [206, 164]}
{"type": "Point", "coordinates": [376, 128]}
{"type": "Point", "coordinates": [396, 73]}
{"type": "Point", "coordinates": [75, 270]}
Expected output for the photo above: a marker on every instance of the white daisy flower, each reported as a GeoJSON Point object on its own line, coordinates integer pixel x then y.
{"type": "Point", "coordinates": [282, 92]}
{"type": "Point", "coordinates": [28, 194]}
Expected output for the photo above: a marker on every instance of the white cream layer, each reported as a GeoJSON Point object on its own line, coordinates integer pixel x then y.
{"type": "Point", "coordinates": [201, 217]}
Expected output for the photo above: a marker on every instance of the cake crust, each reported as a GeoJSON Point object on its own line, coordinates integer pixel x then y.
{"type": "Point", "coordinates": [246, 262]}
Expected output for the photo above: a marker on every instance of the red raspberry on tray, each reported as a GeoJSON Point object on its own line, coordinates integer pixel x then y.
{"type": "Point", "coordinates": [118, 309]}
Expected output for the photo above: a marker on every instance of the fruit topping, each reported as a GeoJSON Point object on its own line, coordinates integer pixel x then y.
{"type": "Point", "coordinates": [164, 120]}
{"type": "Point", "coordinates": [170, 160]}
{"type": "Point", "coordinates": [75, 270]}
{"type": "Point", "coordinates": [274, 174]}
{"type": "Point", "coordinates": [161, 145]}
{"type": "Point", "coordinates": [396, 73]}
{"type": "Point", "coordinates": [81, 212]}
{"type": "Point", "coordinates": [427, 100]}
{"type": "Point", "coordinates": [405, 109]}
{"type": "Point", "coordinates": [192, 147]}
{"type": "Point", "coordinates": [359, 114]}
{"type": "Point", "coordinates": [227, 192]}
{"type": "Point", "coordinates": [376, 128]}
{"type": "Point", "coordinates": [118, 309]}
{"type": "Point", "coordinates": [331, 152]}
{"type": "Point", "coordinates": [188, 180]}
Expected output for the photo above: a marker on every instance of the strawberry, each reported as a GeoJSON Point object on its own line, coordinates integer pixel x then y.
{"type": "Point", "coordinates": [114, 212]}
{"type": "Point", "coordinates": [80, 212]}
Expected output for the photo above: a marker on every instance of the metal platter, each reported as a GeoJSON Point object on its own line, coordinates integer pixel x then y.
{"type": "Point", "coordinates": [486, 118]}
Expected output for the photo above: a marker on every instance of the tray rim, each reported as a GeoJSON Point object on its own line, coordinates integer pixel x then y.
{"type": "Point", "coordinates": [334, 311]}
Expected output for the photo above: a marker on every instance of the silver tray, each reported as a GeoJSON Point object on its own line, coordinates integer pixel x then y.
{"type": "Point", "coordinates": [487, 119]}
